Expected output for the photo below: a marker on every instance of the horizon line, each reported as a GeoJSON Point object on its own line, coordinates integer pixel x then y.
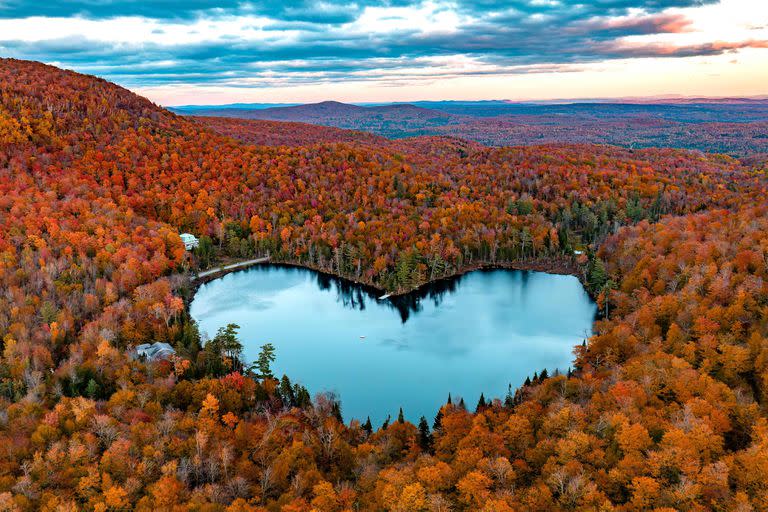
{"type": "Point", "coordinates": [561, 101]}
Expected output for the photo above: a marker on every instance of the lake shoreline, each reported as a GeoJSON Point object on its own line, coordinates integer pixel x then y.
{"type": "Point", "coordinates": [473, 334]}
{"type": "Point", "coordinates": [546, 266]}
{"type": "Point", "coordinates": [556, 266]}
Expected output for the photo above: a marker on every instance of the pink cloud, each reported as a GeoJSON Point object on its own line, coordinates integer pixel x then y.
{"type": "Point", "coordinates": [626, 49]}
{"type": "Point", "coordinates": [654, 24]}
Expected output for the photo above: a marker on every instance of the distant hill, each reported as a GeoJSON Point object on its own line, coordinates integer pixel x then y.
{"type": "Point", "coordinates": [735, 109]}
{"type": "Point", "coordinates": [325, 109]}
{"type": "Point", "coordinates": [191, 109]}
{"type": "Point", "coordinates": [694, 110]}
{"type": "Point", "coordinates": [398, 120]}
{"type": "Point", "coordinates": [285, 133]}
{"type": "Point", "coordinates": [292, 134]}
{"type": "Point", "coordinates": [736, 126]}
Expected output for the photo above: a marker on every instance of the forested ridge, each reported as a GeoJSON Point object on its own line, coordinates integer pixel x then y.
{"type": "Point", "coordinates": [666, 409]}
{"type": "Point", "coordinates": [734, 127]}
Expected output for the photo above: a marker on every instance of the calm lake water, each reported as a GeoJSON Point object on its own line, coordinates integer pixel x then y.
{"type": "Point", "coordinates": [467, 335]}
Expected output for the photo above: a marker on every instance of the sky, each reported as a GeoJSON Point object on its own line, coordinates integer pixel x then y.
{"type": "Point", "coordinates": [226, 51]}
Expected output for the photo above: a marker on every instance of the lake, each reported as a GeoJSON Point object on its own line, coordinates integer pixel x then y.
{"type": "Point", "coordinates": [475, 333]}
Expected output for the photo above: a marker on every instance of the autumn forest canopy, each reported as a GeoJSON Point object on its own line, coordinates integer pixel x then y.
{"type": "Point", "coordinates": [666, 407]}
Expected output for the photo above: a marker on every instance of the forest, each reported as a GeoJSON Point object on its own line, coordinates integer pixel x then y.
{"type": "Point", "coordinates": [665, 409]}
{"type": "Point", "coordinates": [736, 127]}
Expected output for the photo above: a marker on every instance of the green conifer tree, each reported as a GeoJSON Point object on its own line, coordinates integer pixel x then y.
{"type": "Point", "coordinates": [481, 403]}
{"type": "Point", "coordinates": [367, 427]}
{"type": "Point", "coordinates": [509, 400]}
{"type": "Point", "coordinates": [437, 426]}
{"type": "Point", "coordinates": [425, 437]}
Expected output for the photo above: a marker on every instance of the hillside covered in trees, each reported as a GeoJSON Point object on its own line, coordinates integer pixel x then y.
{"type": "Point", "coordinates": [666, 409]}
{"type": "Point", "coordinates": [736, 127]}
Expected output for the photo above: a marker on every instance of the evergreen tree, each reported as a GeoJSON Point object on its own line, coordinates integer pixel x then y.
{"type": "Point", "coordinates": [450, 401]}
{"type": "Point", "coordinates": [188, 339]}
{"type": "Point", "coordinates": [597, 276]}
{"type": "Point", "coordinates": [544, 375]}
{"type": "Point", "coordinates": [265, 359]}
{"type": "Point", "coordinates": [635, 210]}
{"type": "Point", "coordinates": [527, 381]}
{"type": "Point", "coordinates": [437, 426]}
{"type": "Point", "coordinates": [406, 268]}
{"type": "Point", "coordinates": [509, 400]}
{"type": "Point", "coordinates": [367, 427]}
{"type": "Point", "coordinates": [336, 411]}
{"type": "Point", "coordinates": [204, 251]}
{"type": "Point", "coordinates": [92, 389]}
{"type": "Point", "coordinates": [425, 438]}
{"type": "Point", "coordinates": [385, 425]}
{"type": "Point", "coordinates": [303, 399]}
{"type": "Point", "coordinates": [563, 240]}
{"type": "Point", "coordinates": [657, 208]}
{"type": "Point", "coordinates": [481, 403]}
{"type": "Point", "coordinates": [607, 287]}
{"type": "Point", "coordinates": [209, 361]}
{"type": "Point", "coordinates": [462, 405]}
{"type": "Point", "coordinates": [287, 392]}
{"type": "Point", "coordinates": [518, 399]}
{"type": "Point", "coordinates": [400, 417]}
{"type": "Point", "coordinates": [227, 345]}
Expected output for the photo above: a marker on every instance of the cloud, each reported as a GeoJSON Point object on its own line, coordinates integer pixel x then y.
{"type": "Point", "coordinates": [256, 43]}
{"type": "Point", "coordinates": [653, 24]}
{"type": "Point", "coordinates": [314, 11]}
{"type": "Point", "coordinates": [664, 50]}
{"type": "Point", "coordinates": [96, 9]}
{"type": "Point", "coordinates": [332, 11]}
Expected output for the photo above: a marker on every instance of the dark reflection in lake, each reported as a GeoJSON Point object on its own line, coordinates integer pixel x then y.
{"type": "Point", "coordinates": [466, 335]}
{"type": "Point", "coordinates": [353, 295]}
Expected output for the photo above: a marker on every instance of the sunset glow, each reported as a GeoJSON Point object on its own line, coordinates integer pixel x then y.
{"type": "Point", "coordinates": [401, 51]}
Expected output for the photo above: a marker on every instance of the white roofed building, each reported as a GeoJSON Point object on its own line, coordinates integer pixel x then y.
{"type": "Point", "coordinates": [190, 241]}
{"type": "Point", "coordinates": [154, 351]}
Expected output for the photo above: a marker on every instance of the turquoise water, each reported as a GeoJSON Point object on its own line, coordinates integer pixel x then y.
{"type": "Point", "coordinates": [467, 335]}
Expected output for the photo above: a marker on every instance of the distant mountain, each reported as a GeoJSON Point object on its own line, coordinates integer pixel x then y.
{"type": "Point", "coordinates": [689, 100]}
{"type": "Point", "coordinates": [431, 113]}
{"type": "Point", "coordinates": [441, 104]}
{"type": "Point", "coordinates": [322, 110]}
{"type": "Point", "coordinates": [693, 110]}
{"type": "Point", "coordinates": [736, 126]}
{"type": "Point", "coordinates": [191, 109]}
{"type": "Point", "coordinates": [396, 120]}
